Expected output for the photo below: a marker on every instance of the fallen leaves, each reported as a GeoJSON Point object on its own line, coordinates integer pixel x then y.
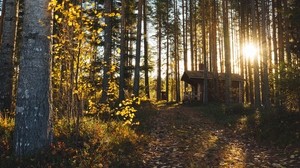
{"type": "Point", "coordinates": [183, 137]}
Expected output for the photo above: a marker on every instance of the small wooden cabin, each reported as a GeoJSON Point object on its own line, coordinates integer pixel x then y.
{"type": "Point", "coordinates": [196, 80]}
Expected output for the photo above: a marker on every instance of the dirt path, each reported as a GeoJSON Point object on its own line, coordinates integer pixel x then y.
{"type": "Point", "coordinates": [184, 137]}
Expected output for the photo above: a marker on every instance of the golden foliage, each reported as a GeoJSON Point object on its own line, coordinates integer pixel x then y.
{"type": "Point", "coordinates": [76, 72]}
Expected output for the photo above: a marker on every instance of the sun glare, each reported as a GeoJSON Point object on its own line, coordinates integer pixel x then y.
{"type": "Point", "coordinates": [250, 51]}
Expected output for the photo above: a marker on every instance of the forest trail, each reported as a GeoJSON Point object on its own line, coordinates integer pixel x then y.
{"type": "Point", "coordinates": [183, 137]}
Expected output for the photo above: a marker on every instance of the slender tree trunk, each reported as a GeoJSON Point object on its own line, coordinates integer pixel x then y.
{"type": "Point", "coordinates": [205, 89]}
{"type": "Point", "coordinates": [266, 91]}
{"type": "Point", "coordinates": [168, 55]}
{"type": "Point", "coordinates": [275, 52]}
{"type": "Point", "coordinates": [214, 48]}
{"type": "Point", "coordinates": [136, 84]}
{"type": "Point", "coordinates": [242, 41]}
{"type": "Point", "coordinates": [280, 31]}
{"type": "Point", "coordinates": [158, 82]}
{"type": "Point", "coordinates": [184, 40]}
{"type": "Point", "coordinates": [7, 52]}
{"type": "Point", "coordinates": [122, 56]}
{"type": "Point", "coordinates": [250, 71]}
{"type": "Point", "coordinates": [196, 41]}
{"type": "Point", "coordinates": [177, 66]}
{"type": "Point", "coordinates": [146, 58]}
{"type": "Point", "coordinates": [280, 48]}
{"type": "Point", "coordinates": [33, 124]}
{"type": "Point", "coordinates": [227, 54]}
{"type": "Point", "coordinates": [287, 33]}
{"type": "Point", "coordinates": [192, 35]}
{"type": "Point", "coordinates": [107, 49]}
{"type": "Point", "coordinates": [256, 65]}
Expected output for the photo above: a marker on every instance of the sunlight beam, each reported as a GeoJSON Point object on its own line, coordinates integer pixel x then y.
{"type": "Point", "coordinates": [250, 51]}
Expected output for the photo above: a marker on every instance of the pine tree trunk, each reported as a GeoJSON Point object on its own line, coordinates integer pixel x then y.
{"type": "Point", "coordinates": [275, 53]}
{"type": "Point", "coordinates": [158, 82]}
{"type": "Point", "coordinates": [205, 89]}
{"type": "Point", "coordinates": [122, 55]}
{"type": "Point", "coordinates": [33, 125]}
{"type": "Point", "coordinates": [214, 49]}
{"type": "Point", "coordinates": [136, 85]}
{"type": "Point", "coordinates": [227, 54]}
{"type": "Point", "coordinates": [280, 31]}
{"type": "Point", "coordinates": [168, 55]}
{"type": "Point", "coordinates": [287, 32]}
{"type": "Point", "coordinates": [176, 55]}
{"type": "Point", "coordinates": [191, 35]}
{"type": "Point", "coordinates": [146, 58]}
{"type": "Point", "coordinates": [242, 41]}
{"type": "Point", "coordinates": [107, 49]}
{"type": "Point", "coordinates": [7, 53]}
{"type": "Point", "coordinates": [256, 65]}
{"type": "Point", "coordinates": [265, 79]}
{"type": "Point", "coordinates": [184, 40]}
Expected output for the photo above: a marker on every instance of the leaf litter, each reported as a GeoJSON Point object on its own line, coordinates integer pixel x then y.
{"type": "Point", "coordinates": [184, 137]}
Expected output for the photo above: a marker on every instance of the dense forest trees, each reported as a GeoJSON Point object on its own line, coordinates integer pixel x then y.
{"type": "Point", "coordinates": [104, 53]}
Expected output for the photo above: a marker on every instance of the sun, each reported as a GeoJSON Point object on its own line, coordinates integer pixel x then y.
{"type": "Point", "coordinates": [250, 51]}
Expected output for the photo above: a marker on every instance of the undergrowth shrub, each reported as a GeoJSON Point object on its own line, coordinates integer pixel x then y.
{"type": "Point", "coordinates": [234, 109]}
{"type": "Point", "coordinates": [269, 127]}
{"type": "Point", "coordinates": [99, 144]}
{"type": "Point", "coordinates": [279, 128]}
{"type": "Point", "coordinates": [6, 129]}
{"type": "Point", "coordinates": [145, 112]}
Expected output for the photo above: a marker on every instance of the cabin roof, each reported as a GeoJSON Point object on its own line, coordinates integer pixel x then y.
{"type": "Point", "coordinates": [195, 76]}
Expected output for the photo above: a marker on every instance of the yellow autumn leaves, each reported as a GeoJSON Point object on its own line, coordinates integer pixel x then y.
{"type": "Point", "coordinates": [77, 33]}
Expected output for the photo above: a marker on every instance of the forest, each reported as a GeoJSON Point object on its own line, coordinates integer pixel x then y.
{"type": "Point", "coordinates": [157, 83]}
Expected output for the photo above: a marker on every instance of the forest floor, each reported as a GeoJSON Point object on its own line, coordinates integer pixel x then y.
{"type": "Point", "coordinates": [181, 136]}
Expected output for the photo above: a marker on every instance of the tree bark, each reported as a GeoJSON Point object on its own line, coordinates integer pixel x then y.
{"type": "Point", "coordinates": [214, 48]}
{"type": "Point", "coordinates": [167, 54]}
{"type": "Point", "coordinates": [158, 82]}
{"type": "Point", "coordinates": [227, 54]}
{"type": "Point", "coordinates": [176, 54]}
{"type": "Point", "coordinates": [122, 56]}
{"type": "Point", "coordinates": [7, 52]}
{"type": "Point", "coordinates": [205, 89]}
{"type": "Point", "coordinates": [266, 91]}
{"type": "Point", "coordinates": [146, 57]}
{"type": "Point", "coordinates": [256, 65]}
{"type": "Point", "coordinates": [192, 35]}
{"type": "Point", "coordinates": [136, 84]}
{"type": "Point", "coordinates": [107, 49]}
{"type": "Point", "coordinates": [242, 42]}
{"type": "Point", "coordinates": [184, 43]}
{"type": "Point", "coordinates": [33, 124]}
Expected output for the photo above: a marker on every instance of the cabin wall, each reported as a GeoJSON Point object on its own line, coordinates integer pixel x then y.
{"type": "Point", "coordinates": [197, 92]}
